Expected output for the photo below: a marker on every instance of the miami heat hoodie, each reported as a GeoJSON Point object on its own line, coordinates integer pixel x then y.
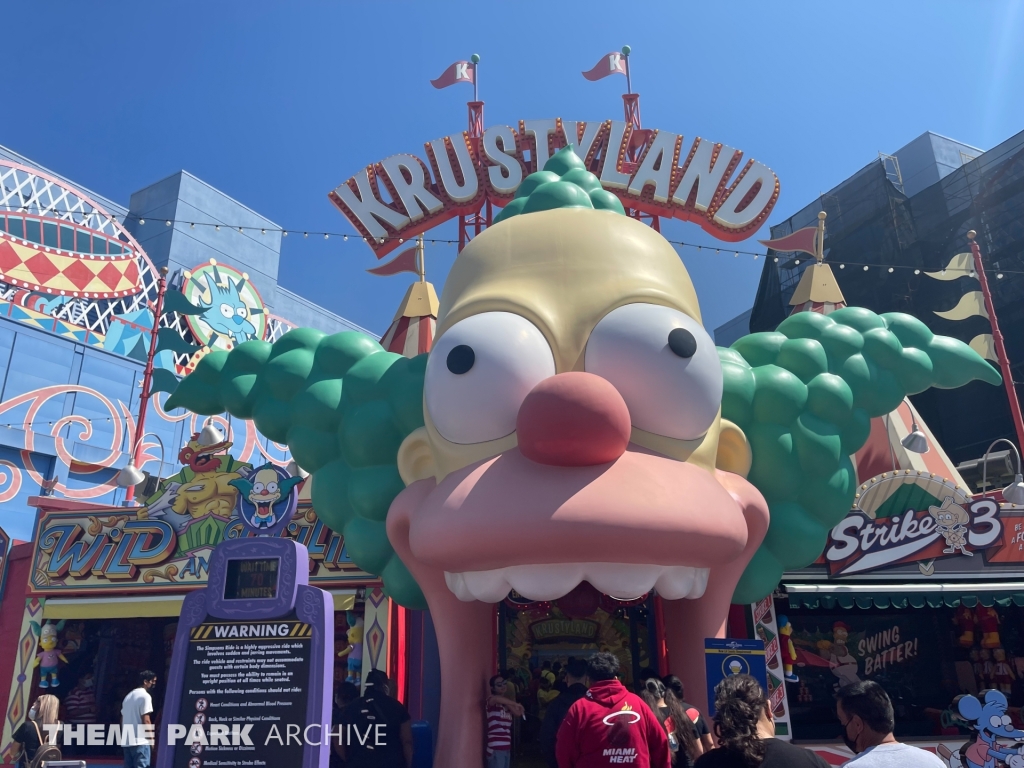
{"type": "Point", "coordinates": [611, 727]}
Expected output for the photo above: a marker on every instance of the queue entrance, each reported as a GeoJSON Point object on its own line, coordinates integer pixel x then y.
{"type": "Point", "coordinates": [538, 639]}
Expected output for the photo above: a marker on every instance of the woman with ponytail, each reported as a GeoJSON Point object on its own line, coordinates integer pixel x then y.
{"type": "Point", "coordinates": [746, 731]}
{"type": "Point", "coordinates": [682, 736]}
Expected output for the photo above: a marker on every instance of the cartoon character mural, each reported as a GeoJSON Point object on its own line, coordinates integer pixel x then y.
{"type": "Point", "coordinates": [48, 656]}
{"type": "Point", "coordinates": [268, 492]}
{"type": "Point", "coordinates": [842, 663]}
{"type": "Point", "coordinates": [354, 651]}
{"type": "Point", "coordinates": [991, 722]}
{"type": "Point", "coordinates": [951, 522]}
{"type": "Point", "coordinates": [225, 311]}
{"type": "Point", "coordinates": [572, 391]}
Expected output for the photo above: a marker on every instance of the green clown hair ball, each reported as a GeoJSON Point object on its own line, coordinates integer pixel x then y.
{"type": "Point", "coordinates": [343, 405]}
{"type": "Point", "coordinates": [565, 182]}
{"type": "Point", "coordinates": [805, 395]}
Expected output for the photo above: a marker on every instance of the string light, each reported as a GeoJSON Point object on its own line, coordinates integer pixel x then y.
{"type": "Point", "coordinates": [968, 271]}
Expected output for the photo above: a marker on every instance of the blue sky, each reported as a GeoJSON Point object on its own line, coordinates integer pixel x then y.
{"type": "Point", "coordinates": [276, 103]}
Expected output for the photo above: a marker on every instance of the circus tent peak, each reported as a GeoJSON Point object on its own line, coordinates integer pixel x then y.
{"type": "Point", "coordinates": [412, 331]}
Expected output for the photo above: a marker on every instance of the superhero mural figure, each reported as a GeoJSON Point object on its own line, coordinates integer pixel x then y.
{"type": "Point", "coordinates": [572, 395]}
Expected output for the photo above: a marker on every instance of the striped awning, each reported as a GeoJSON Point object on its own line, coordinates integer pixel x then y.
{"type": "Point", "coordinates": [905, 595]}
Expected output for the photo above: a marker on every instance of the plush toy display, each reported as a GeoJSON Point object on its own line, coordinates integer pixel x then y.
{"type": "Point", "coordinates": [354, 651]}
{"type": "Point", "coordinates": [1002, 672]}
{"type": "Point", "coordinates": [965, 623]}
{"type": "Point", "coordinates": [787, 649]}
{"type": "Point", "coordinates": [48, 656]}
{"type": "Point", "coordinates": [988, 670]}
{"type": "Point", "coordinates": [573, 412]}
{"type": "Point", "coordinates": [988, 624]}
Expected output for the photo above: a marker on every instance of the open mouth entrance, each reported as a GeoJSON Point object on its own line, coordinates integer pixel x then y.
{"type": "Point", "coordinates": [538, 639]}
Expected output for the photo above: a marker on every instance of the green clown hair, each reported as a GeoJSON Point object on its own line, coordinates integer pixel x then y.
{"type": "Point", "coordinates": [565, 182]}
{"type": "Point", "coordinates": [343, 405]}
{"type": "Point", "coordinates": [805, 395]}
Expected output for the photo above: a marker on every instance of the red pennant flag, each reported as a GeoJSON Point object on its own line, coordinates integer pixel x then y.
{"type": "Point", "coordinates": [801, 240]}
{"type": "Point", "coordinates": [459, 72]}
{"type": "Point", "coordinates": [406, 261]}
{"type": "Point", "coordinates": [613, 63]}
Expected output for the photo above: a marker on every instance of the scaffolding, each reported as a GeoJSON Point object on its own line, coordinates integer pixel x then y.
{"type": "Point", "coordinates": [871, 221]}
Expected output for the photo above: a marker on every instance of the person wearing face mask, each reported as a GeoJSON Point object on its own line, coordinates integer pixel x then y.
{"type": "Point", "coordinates": [746, 731]}
{"type": "Point", "coordinates": [867, 722]}
{"type": "Point", "coordinates": [34, 734]}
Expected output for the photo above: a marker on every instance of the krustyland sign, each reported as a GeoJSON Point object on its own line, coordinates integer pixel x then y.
{"type": "Point", "coordinates": [700, 181]}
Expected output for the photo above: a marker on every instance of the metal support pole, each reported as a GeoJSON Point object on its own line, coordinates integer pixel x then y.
{"type": "Point", "coordinates": [147, 376]}
{"type": "Point", "coordinates": [997, 338]}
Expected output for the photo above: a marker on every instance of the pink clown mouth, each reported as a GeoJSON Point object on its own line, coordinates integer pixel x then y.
{"type": "Point", "coordinates": [639, 522]}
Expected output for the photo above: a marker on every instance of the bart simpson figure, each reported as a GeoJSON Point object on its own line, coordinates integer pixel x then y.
{"type": "Point", "coordinates": [787, 649]}
{"type": "Point", "coordinates": [48, 657]}
{"type": "Point", "coordinates": [355, 648]}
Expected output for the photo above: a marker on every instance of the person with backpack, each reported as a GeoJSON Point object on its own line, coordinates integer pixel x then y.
{"type": "Point", "coordinates": [609, 725]}
{"type": "Point", "coordinates": [34, 743]}
{"type": "Point", "coordinates": [681, 730]}
{"type": "Point", "coordinates": [377, 708]}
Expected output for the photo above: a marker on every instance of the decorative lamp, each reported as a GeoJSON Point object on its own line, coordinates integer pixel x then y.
{"type": "Point", "coordinates": [131, 476]}
{"type": "Point", "coordinates": [916, 440]}
{"type": "Point", "coordinates": [210, 434]}
{"type": "Point", "coordinates": [1014, 493]}
{"type": "Point", "coordinates": [295, 470]}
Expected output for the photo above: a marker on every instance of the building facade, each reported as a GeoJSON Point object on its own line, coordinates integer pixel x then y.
{"type": "Point", "coordinates": [74, 331]}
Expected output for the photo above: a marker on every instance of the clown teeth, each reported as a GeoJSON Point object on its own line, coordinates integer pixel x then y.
{"type": "Point", "coordinates": [549, 582]}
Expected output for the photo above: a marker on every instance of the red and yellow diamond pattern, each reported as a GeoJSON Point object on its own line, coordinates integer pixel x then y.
{"type": "Point", "coordinates": [64, 273]}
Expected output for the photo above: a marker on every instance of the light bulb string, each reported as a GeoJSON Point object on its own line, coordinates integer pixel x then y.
{"type": "Point", "coordinates": [345, 237]}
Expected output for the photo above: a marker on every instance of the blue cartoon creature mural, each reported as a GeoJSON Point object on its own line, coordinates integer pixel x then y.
{"type": "Point", "coordinates": [992, 722]}
{"type": "Point", "coordinates": [226, 314]}
{"type": "Point", "coordinates": [265, 489]}
{"type": "Point", "coordinates": [48, 655]}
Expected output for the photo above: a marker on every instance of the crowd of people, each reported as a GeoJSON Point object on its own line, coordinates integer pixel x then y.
{"type": "Point", "coordinates": [594, 720]}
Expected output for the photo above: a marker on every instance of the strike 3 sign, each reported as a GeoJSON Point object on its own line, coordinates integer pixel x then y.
{"type": "Point", "coordinates": [902, 520]}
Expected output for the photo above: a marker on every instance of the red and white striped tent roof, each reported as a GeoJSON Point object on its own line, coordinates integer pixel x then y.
{"type": "Point", "coordinates": [411, 333]}
{"type": "Point", "coordinates": [819, 292]}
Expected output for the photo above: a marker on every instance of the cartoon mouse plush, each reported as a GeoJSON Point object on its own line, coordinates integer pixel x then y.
{"type": "Point", "coordinates": [991, 722]}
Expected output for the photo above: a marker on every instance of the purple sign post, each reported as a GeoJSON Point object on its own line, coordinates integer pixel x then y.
{"type": "Point", "coordinates": [250, 675]}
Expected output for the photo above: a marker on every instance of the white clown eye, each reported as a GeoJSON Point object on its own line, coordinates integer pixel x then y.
{"type": "Point", "coordinates": [664, 365]}
{"type": "Point", "coordinates": [480, 371]}
{"type": "Point", "coordinates": [272, 487]}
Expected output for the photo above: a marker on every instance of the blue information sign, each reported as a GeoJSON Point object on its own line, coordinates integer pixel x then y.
{"type": "Point", "coordinates": [725, 657]}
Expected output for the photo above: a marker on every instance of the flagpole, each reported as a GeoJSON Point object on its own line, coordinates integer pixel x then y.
{"type": "Point", "coordinates": [997, 340]}
{"type": "Point", "coordinates": [475, 60]}
{"type": "Point", "coordinates": [421, 260]}
{"type": "Point", "coordinates": [820, 245]}
{"type": "Point", "coordinates": [625, 54]}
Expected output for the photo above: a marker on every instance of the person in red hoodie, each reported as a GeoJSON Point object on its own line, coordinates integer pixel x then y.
{"type": "Point", "coordinates": [610, 726]}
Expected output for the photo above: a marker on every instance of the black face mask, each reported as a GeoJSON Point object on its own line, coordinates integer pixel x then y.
{"type": "Point", "coordinates": [848, 741]}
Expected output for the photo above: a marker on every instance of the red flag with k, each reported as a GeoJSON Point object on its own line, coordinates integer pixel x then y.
{"type": "Point", "coordinates": [459, 72]}
{"type": "Point", "coordinates": [613, 63]}
{"type": "Point", "coordinates": [406, 261]}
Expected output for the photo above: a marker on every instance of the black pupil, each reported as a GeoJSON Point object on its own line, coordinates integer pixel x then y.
{"type": "Point", "coordinates": [680, 341]}
{"type": "Point", "coordinates": [461, 359]}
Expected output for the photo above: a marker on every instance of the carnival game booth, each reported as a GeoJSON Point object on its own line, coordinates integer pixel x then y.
{"type": "Point", "coordinates": [920, 588]}
{"type": "Point", "coordinates": [104, 587]}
